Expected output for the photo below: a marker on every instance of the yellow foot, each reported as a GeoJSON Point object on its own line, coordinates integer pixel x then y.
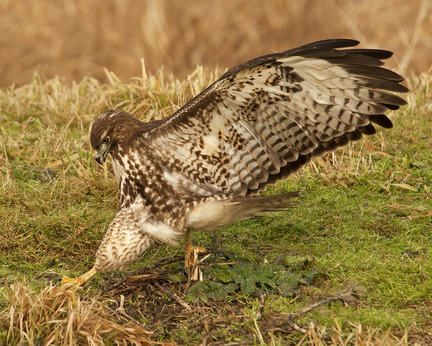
{"type": "Point", "coordinates": [79, 281]}
{"type": "Point", "coordinates": [192, 261]}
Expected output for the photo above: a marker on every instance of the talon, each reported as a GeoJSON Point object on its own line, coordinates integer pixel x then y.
{"type": "Point", "coordinates": [191, 259]}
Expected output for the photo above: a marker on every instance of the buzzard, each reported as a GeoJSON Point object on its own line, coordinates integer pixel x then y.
{"type": "Point", "coordinates": [203, 167]}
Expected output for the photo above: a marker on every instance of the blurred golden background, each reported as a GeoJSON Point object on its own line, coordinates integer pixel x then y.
{"type": "Point", "coordinates": [74, 38]}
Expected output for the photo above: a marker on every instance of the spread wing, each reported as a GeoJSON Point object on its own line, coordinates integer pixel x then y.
{"type": "Point", "coordinates": [264, 119]}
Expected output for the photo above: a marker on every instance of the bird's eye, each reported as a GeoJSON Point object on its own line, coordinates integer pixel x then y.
{"type": "Point", "coordinates": [105, 140]}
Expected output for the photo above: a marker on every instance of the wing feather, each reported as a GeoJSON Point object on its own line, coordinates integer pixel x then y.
{"type": "Point", "coordinates": [264, 119]}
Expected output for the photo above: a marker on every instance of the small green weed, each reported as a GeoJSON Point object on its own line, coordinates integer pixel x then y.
{"type": "Point", "coordinates": [251, 280]}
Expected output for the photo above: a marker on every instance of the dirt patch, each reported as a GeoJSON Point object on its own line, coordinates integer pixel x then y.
{"type": "Point", "coordinates": [155, 298]}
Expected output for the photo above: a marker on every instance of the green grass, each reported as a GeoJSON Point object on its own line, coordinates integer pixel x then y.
{"type": "Point", "coordinates": [363, 222]}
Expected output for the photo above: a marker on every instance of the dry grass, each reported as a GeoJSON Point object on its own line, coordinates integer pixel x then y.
{"type": "Point", "coordinates": [79, 38]}
{"type": "Point", "coordinates": [60, 316]}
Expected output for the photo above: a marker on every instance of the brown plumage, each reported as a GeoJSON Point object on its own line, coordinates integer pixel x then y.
{"type": "Point", "coordinates": [202, 167]}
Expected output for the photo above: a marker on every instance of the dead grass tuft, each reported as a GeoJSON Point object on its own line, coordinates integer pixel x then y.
{"type": "Point", "coordinates": [60, 316]}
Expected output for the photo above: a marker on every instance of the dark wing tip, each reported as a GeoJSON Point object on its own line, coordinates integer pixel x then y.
{"type": "Point", "coordinates": [381, 120]}
{"type": "Point", "coordinates": [380, 54]}
{"type": "Point", "coordinates": [331, 44]}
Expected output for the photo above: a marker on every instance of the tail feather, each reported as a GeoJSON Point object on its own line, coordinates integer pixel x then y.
{"type": "Point", "coordinates": [211, 214]}
{"type": "Point", "coordinates": [254, 204]}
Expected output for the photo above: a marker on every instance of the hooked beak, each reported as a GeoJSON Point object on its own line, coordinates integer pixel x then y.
{"type": "Point", "coordinates": [100, 158]}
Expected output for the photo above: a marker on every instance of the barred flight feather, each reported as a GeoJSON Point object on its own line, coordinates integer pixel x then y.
{"type": "Point", "coordinates": [259, 123]}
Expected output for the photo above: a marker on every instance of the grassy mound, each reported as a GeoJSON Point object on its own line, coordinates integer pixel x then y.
{"type": "Point", "coordinates": [362, 225]}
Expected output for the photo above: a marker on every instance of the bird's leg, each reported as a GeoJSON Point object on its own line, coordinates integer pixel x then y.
{"type": "Point", "coordinates": [81, 280]}
{"type": "Point", "coordinates": [191, 258]}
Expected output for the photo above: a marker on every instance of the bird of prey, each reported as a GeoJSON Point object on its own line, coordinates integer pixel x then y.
{"type": "Point", "coordinates": [203, 167]}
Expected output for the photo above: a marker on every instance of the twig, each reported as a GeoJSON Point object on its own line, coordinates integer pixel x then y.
{"type": "Point", "coordinates": [174, 296]}
{"type": "Point", "coordinates": [166, 260]}
{"type": "Point", "coordinates": [132, 278]}
{"type": "Point", "coordinates": [294, 325]}
{"type": "Point", "coordinates": [344, 297]}
{"type": "Point", "coordinates": [263, 299]}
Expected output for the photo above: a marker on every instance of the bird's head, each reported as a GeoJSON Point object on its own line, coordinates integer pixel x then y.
{"type": "Point", "coordinates": [112, 130]}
